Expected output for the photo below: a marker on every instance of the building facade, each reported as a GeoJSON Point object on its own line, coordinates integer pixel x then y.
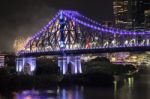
{"type": "Point", "coordinates": [7, 60]}
{"type": "Point", "coordinates": [131, 14]}
{"type": "Point", "coordinates": [120, 8]}
{"type": "Point", "coordinates": [2, 60]}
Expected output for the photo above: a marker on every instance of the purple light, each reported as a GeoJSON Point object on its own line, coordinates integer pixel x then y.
{"type": "Point", "coordinates": [74, 15]}
{"type": "Point", "coordinates": [110, 30]}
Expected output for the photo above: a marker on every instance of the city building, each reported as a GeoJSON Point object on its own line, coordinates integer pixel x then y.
{"type": "Point", "coordinates": [147, 19]}
{"type": "Point", "coordinates": [7, 60]}
{"type": "Point", "coordinates": [131, 14]}
{"type": "Point", "coordinates": [2, 60]}
{"type": "Point", "coordinates": [108, 23]}
{"type": "Point", "coordinates": [120, 8]}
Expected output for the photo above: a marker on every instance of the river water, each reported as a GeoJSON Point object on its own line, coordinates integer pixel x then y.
{"type": "Point", "coordinates": [131, 89]}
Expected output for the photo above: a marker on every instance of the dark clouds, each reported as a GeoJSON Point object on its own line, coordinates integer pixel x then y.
{"type": "Point", "coordinates": [25, 17]}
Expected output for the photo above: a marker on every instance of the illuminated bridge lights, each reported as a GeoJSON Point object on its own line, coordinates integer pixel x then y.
{"type": "Point", "coordinates": [77, 29]}
{"type": "Point", "coordinates": [104, 47]}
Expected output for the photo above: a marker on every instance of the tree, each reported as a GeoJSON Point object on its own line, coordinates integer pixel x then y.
{"type": "Point", "coordinates": [46, 66]}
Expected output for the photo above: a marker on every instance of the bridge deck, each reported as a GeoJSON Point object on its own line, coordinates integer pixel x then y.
{"type": "Point", "coordinates": [87, 51]}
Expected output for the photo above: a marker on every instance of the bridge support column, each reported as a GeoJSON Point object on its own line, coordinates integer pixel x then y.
{"type": "Point", "coordinates": [70, 64]}
{"type": "Point", "coordinates": [26, 65]}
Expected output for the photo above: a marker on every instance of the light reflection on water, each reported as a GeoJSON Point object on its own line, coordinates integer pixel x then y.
{"type": "Point", "coordinates": [125, 92]}
{"type": "Point", "coordinates": [131, 89]}
{"type": "Point", "coordinates": [134, 88]}
{"type": "Point", "coordinates": [61, 93]}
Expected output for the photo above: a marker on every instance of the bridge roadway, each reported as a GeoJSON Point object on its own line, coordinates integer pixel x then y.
{"type": "Point", "coordinates": [86, 51]}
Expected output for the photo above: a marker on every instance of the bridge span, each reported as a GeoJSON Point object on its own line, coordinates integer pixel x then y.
{"type": "Point", "coordinates": [70, 34]}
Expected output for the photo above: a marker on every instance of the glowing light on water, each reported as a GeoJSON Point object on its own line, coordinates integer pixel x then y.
{"type": "Point", "coordinates": [115, 89]}
{"type": "Point", "coordinates": [130, 81]}
{"type": "Point", "coordinates": [28, 97]}
{"type": "Point", "coordinates": [115, 85]}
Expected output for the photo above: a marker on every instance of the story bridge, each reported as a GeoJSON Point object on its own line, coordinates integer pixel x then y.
{"type": "Point", "coordinates": [69, 34]}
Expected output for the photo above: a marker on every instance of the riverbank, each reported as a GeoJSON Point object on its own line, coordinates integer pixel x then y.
{"type": "Point", "coordinates": [97, 72]}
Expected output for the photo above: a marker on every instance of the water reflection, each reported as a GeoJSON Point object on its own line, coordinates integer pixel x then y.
{"type": "Point", "coordinates": [115, 89]}
{"type": "Point", "coordinates": [34, 94]}
{"type": "Point", "coordinates": [71, 93]}
{"type": "Point", "coordinates": [75, 92]}
{"type": "Point", "coordinates": [125, 91]}
{"type": "Point", "coordinates": [129, 88]}
{"type": "Point", "coordinates": [130, 82]}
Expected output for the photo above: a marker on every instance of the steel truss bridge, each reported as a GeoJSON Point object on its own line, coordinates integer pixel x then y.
{"type": "Point", "coordinates": [70, 34]}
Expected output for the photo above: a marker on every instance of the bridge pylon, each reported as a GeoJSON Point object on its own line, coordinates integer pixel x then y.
{"type": "Point", "coordinates": [67, 64]}
{"type": "Point", "coordinates": [70, 64]}
{"type": "Point", "coordinates": [26, 65]}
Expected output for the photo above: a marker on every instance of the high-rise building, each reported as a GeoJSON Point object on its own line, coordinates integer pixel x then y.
{"type": "Point", "coordinates": [2, 60]}
{"type": "Point", "coordinates": [147, 14]}
{"type": "Point", "coordinates": [147, 19]}
{"type": "Point", "coordinates": [108, 23]}
{"type": "Point", "coordinates": [131, 14]}
{"type": "Point", "coordinates": [7, 60]}
{"type": "Point", "coordinates": [120, 8]}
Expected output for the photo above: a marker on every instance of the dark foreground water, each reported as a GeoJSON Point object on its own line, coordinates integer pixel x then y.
{"type": "Point", "coordinates": [131, 89]}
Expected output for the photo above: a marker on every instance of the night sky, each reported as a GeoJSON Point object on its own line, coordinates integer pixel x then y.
{"type": "Point", "coordinates": [25, 17]}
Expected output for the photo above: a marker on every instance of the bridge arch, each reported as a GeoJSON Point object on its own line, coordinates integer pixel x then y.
{"type": "Point", "coordinates": [70, 64]}
{"type": "Point", "coordinates": [69, 68]}
{"type": "Point", "coordinates": [26, 65]}
{"type": "Point", "coordinates": [27, 68]}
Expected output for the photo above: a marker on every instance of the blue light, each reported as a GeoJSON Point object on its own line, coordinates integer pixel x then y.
{"type": "Point", "coordinates": [62, 45]}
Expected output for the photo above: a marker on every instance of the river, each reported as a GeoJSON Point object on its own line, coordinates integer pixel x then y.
{"type": "Point", "coordinates": [131, 89]}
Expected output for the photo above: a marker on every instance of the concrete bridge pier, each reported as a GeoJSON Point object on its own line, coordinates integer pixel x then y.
{"type": "Point", "coordinates": [25, 65]}
{"type": "Point", "coordinates": [70, 64]}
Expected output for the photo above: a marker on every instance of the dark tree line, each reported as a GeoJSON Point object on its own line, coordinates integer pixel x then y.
{"type": "Point", "coordinates": [46, 66]}
{"type": "Point", "coordinates": [102, 64]}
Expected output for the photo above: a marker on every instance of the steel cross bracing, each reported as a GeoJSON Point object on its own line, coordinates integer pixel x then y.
{"type": "Point", "coordinates": [80, 33]}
